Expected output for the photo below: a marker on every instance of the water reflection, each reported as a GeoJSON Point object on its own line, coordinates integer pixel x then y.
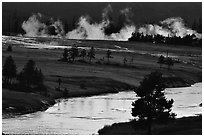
{"type": "Point", "coordinates": [87, 115]}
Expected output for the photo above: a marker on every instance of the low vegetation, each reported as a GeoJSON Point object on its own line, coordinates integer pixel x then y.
{"type": "Point", "coordinates": [84, 75]}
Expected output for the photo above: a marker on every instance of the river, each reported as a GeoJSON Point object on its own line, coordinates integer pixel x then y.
{"type": "Point", "coordinates": [86, 115]}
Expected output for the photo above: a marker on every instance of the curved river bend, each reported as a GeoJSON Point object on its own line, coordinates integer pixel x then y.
{"type": "Point", "coordinates": [86, 115]}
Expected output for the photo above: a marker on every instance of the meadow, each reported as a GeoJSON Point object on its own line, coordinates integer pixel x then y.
{"type": "Point", "coordinates": [97, 77]}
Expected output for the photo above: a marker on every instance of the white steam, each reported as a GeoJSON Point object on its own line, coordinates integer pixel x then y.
{"type": "Point", "coordinates": [169, 27]}
{"type": "Point", "coordinates": [86, 30]}
{"type": "Point", "coordinates": [36, 26]}
{"type": "Point", "coordinates": [124, 34]}
{"type": "Point", "coordinates": [96, 31]}
{"type": "Point", "coordinates": [33, 27]}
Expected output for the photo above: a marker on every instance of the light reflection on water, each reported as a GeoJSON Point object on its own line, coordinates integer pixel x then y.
{"type": "Point", "coordinates": [86, 115]}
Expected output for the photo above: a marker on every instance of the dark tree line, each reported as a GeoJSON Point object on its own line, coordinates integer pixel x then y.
{"type": "Point", "coordinates": [69, 55]}
{"type": "Point", "coordinates": [190, 40]}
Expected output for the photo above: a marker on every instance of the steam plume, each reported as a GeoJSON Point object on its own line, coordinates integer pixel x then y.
{"type": "Point", "coordinates": [33, 27]}
{"type": "Point", "coordinates": [37, 25]}
{"type": "Point", "coordinates": [96, 31]}
{"type": "Point", "coordinates": [106, 13]}
{"type": "Point", "coordinates": [86, 30]}
{"type": "Point", "coordinates": [106, 29]}
{"type": "Point", "coordinates": [169, 27]}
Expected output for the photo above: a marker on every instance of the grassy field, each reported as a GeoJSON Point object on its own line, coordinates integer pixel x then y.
{"type": "Point", "coordinates": [102, 78]}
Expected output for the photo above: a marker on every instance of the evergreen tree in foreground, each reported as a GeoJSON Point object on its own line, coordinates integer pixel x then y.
{"type": "Point", "coordinates": [30, 75]}
{"type": "Point", "coordinates": [152, 105]}
{"type": "Point", "coordinates": [9, 70]}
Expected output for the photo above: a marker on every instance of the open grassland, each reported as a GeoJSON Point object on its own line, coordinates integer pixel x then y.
{"type": "Point", "coordinates": [103, 78]}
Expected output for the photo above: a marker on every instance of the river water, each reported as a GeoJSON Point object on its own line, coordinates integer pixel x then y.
{"type": "Point", "coordinates": [86, 115]}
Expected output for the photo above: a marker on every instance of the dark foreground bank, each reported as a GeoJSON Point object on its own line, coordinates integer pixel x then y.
{"type": "Point", "coordinates": [180, 126]}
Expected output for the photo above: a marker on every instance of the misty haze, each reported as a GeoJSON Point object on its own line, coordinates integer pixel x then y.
{"type": "Point", "coordinates": [99, 68]}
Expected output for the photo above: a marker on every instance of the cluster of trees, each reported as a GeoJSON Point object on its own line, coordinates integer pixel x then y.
{"type": "Point", "coordinates": [190, 40]}
{"type": "Point", "coordinates": [69, 55]}
{"type": "Point", "coordinates": [29, 78]}
{"type": "Point", "coordinates": [152, 105]}
{"type": "Point", "coordinates": [167, 61]}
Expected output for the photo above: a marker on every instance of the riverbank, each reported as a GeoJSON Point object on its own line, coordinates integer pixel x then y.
{"type": "Point", "coordinates": [181, 126]}
{"type": "Point", "coordinates": [87, 79]}
{"type": "Point", "coordinates": [16, 103]}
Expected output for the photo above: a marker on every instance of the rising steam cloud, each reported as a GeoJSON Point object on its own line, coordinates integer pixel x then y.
{"type": "Point", "coordinates": [39, 25]}
{"type": "Point", "coordinates": [170, 27]}
{"type": "Point", "coordinates": [33, 27]}
{"type": "Point", "coordinates": [96, 31]}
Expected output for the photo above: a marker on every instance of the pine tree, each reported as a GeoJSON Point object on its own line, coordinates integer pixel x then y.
{"type": "Point", "coordinates": [30, 75]}
{"type": "Point", "coordinates": [108, 55]}
{"type": "Point", "coordinates": [91, 54]}
{"type": "Point", "coordinates": [65, 54]}
{"type": "Point", "coordinates": [83, 53]}
{"type": "Point", "coordinates": [74, 53]}
{"type": "Point", "coordinates": [124, 60]}
{"type": "Point", "coordinates": [161, 60]}
{"type": "Point", "coordinates": [152, 105]}
{"type": "Point", "coordinates": [9, 70]}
